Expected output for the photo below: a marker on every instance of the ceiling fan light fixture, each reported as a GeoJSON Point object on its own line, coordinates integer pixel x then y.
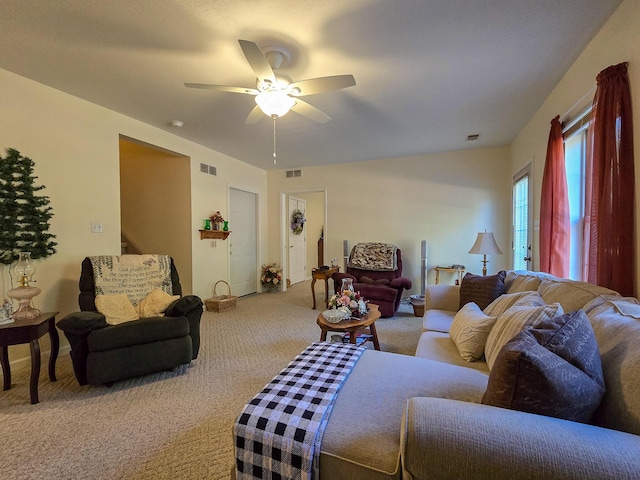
{"type": "Point", "coordinates": [275, 103]}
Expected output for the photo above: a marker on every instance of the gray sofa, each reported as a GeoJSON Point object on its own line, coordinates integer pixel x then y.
{"type": "Point", "coordinates": [421, 418]}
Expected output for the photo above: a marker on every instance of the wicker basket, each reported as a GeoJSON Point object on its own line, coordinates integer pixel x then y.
{"type": "Point", "coordinates": [220, 303]}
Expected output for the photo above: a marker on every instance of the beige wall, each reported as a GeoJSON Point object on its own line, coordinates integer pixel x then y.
{"type": "Point", "coordinates": [444, 198]}
{"type": "Point", "coordinates": [616, 42]}
{"type": "Point", "coordinates": [74, 145]}
{"type": "Point", "coordinates": [155, 208]}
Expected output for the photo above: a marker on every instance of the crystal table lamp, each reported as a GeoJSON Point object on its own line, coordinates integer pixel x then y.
{"type": "Point", "coordinates": [24, 270]}
{"type": "Point", "coordinates": [485, 245]}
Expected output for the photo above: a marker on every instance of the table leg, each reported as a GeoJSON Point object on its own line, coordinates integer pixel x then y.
{"type": "Point", "coordinates": [55, 347]}
{"type": "Point", "coordinates": [35, 370]}
{"type": "Point", "coordinates": [6, 368]}
{"type": "Point", "coordinates": [313, 292]}
{"type": "Point", "coordinates": [323, 335]}
{"type": "Point", "coordinates": [352, 336]}
{"type": "Point", "coordinates": [374, 332]}
{"type": "Point", "coordinates": [326, 292]}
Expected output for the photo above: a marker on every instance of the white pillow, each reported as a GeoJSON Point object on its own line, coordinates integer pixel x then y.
{"type": "Point", "coordinates": [116, 308]}
{"type": "Point", "coordinates": [508, 300]}
{"type": "Point", "coordinates": [155, 303]}
{"type": "Point", "coordinates": [469, 331]}
{"type": "Point", "coordinates": [512, 322]}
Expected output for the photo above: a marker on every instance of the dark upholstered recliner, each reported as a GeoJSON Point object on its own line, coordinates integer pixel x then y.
{"type": "Point", "coordinates": [383, 288]}
{"type": "Point", "coordinates": [102, 353]}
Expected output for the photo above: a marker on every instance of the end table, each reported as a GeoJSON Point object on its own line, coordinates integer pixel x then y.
{"type": "Point", "coordinates": [29, 331]}
{"type": "Point", "coordinates": [322, 274]}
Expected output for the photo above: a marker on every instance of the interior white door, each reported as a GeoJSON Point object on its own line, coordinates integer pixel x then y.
{"type": "Point", "coordinates": [243, 242]}
{"type": "Point", "coordinates": [297, 245]}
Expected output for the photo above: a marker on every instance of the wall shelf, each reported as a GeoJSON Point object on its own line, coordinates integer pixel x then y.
{"type": "Point", "coordinates": [215, 234]}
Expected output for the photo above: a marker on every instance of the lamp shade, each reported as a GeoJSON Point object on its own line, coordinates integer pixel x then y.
{"type": "Point", "coordinates": [275, 102]}
{"type": "Point", "coordinates": [485, 245]}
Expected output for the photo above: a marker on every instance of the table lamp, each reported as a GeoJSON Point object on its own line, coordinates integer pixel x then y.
{"type": "Point", "coordinates": [485, 245]}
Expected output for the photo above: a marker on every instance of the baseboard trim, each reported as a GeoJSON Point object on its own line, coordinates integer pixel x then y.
{"type": "Point", "coordinates": [26, 361]}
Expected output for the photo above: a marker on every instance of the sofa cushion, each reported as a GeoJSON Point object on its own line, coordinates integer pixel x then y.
{"type": "Point", "coordinates": [469, 331]}
{"type": "Point", "coordinates": [437, 320]}
{"type": "Point", "coordinates": [618, 339]}
{"type": "Point", "coordinates": [512, 322]}
{"type": "Point", "coordinates": [524, 280]}
{"type": "Point", "coordinates": [116, 308]}
{"type": "Point", "coordinates": [571, 294]}
{"type": "Point", "coordinates": [380, 385]}
{"type": "Point", "coordinates": [439, 346]}
{"type": "Point", "coordinates": [551, 369]}
{"type": "Point", "coordinates": [508, 300]}
{"type": "Point", "coordinates": [481, 290]}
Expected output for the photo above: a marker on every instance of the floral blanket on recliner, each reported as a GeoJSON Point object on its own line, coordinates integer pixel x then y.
{"type": "Point", "coordinates": [374, 256]}
{"type": "Point", "coordinates": [134, 275]}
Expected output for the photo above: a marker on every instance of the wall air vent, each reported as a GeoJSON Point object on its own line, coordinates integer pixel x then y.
{"type": "Point", "coordinates": [210, 169]}
{"type": "Point", "coordinates": [293, 173]}
{"type": "Point", "coordinates": [473, 137]}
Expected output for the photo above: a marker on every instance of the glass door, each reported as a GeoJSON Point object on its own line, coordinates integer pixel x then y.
{"type": "Point", "coordinates": [521, 220]}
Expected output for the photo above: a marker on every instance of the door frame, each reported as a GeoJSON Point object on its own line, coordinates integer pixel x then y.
{"type": "Point", "coordinates": [284, 224]}
{"type": "Point", "coordinates": [526, 171]}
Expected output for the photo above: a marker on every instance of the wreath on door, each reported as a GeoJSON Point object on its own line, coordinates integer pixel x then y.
{"type": "Point", "coordinates": [297, 222]}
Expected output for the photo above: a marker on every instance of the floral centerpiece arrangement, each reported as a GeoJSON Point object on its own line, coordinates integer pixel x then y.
{"type": "Point", "coordinates": [271, 274]}
{"type": "Point", "coordinates": [216, 220]}
{"type": "Point", "coordinates": [350, 302]}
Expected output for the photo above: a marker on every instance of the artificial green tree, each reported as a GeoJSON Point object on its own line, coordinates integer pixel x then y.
{"type": "Point", "coordinates": [24, 214]}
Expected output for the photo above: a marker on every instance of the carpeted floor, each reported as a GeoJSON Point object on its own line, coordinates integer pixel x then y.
{"type": "Point", "coordinates": [171, 425]}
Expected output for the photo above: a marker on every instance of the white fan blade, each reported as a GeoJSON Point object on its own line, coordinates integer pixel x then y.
{"type": "Point", "coordinates": [258, 62]}
{"type": "Point", "coordinates": [254, 116]}
{"type": "Point", "coordinates": [309, 111]}
{"type": "Point", "coordinates": [321, 85]}
{"type": "Point", "coordinates": [222, 88]}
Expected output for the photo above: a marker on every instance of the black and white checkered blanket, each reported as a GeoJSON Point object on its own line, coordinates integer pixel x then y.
{"type": "Point", "coordinates": [278, 433]}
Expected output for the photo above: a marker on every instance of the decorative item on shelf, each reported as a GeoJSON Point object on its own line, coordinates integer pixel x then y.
{"type": "Point", "coordinates": [207, 224]}
{"type": "Point", "coordinates": [271, 277]}
{"type": "Point", "coordinates": [349, 301]}
{"type": "Point", "coordinates": [485, 245]}
{"type": "Point", "coordinates": [225, 228]}
{"type": "Point", "coordinates": [24, 270]}
{"type": "Point", "coordinates": [216, 220]}
{"type": "Point", "coordinates": [297, 222]}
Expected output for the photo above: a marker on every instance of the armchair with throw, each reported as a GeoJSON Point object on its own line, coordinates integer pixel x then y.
{"type": "Point", "coordinates": [162, 332]}
{"type": "Point", "coordinates": [376, 270]}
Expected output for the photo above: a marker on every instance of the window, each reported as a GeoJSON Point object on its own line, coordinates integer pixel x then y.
{"type": "Point", "coordinates": [521, 242]}
{"type": "Point", "coordinates": [575, 151]}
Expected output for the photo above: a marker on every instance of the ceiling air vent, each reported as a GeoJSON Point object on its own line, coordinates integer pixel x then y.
{"type": "Point", "coordinates": [294, 173]}
{"type": "Point", "coordinates": [212, 170]}
{"type": "Point", "coordinates": [204, 168]}
{"type": "Point", "coordinates": [473, 137]}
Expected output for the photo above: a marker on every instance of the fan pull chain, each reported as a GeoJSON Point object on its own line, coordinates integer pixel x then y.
{"type": "Point", "coordinates": [274, 140]}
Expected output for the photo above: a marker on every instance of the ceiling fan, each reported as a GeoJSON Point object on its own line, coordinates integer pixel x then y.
{"type": "Point", "coordinates": [275, 93]}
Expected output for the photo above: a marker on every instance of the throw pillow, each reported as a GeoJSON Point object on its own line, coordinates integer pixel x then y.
{"type": "Point", "coordinates": [553, 369]}
{"type": "Point", "coordinates": [508, 300]}
{"type": "Point", "coordinates": [155, 303]}
{"type": "Point", "coordinates": [512, 322]}
{"type": "Point", "coordinates": [364, 279]}
{"type": "Point", "coordinates": [116, 308]}
{"type": "Point", "coordinates": [481, 290]}
{"type": "Point", "coordinates": [469, 331]}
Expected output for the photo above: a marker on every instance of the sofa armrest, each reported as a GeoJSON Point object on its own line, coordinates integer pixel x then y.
{"type": "Point", "coordinates": [442, 297]}
{"type": "Point", "coordinates": [401, 282]}
{"type": "Point", "coordinates": [449, 439]}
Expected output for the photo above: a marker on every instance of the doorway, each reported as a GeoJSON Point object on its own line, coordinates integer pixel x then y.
{"type": "Point", "coordinates": [521, 220]}
{"type": "Point", "coordinates": [155, 204]}
{"type": "Point", "coordinates": [297, 243]}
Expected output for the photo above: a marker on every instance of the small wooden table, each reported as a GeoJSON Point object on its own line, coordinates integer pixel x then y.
{"type": "Point", "coordinates": [459, 270]}
{"type": "Point", "coordinates": [352, 326]}
{"type": "Point", "coordinates": [325, 275]}
{"type": "Point", "coordinates": [29, 331]}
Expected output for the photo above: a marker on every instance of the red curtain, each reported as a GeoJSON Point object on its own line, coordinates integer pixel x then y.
{"type": "Point", "coordinates": [611, 246]}
{"type": "Point", "coordinates": [555, 228]}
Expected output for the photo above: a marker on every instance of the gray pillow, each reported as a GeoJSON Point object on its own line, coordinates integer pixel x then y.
{"type": "Point", "coordinates": [552, 369]}
{"type": "Point", "coordinates": [481, 290]}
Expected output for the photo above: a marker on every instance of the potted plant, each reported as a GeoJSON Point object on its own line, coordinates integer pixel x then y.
{"type": "Point", "coordinates": [271, 277]}
{"type": "Point", "coordinates": [216, 220]}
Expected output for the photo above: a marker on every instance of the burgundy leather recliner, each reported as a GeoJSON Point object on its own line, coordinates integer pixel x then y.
{"type": "Point", "coordinates": [384, 288]}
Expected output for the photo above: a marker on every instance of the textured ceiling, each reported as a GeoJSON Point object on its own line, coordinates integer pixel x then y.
{"type": "Point", "coordinates": [428, 72]}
